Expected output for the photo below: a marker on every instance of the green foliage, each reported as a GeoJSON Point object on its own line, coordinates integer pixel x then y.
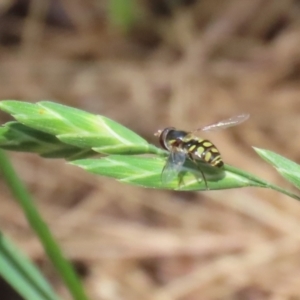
{"type": "Point", "coordinates": [74, 127]}
{"type": "Point", "coordinates": [18, 137]}
{"type": "Point", "coordinates": [54, 130]}
{"type": "Point", "coordinates": [16, 269]}
{"type": "Point", "coordinates": [123, 13]}
{"type": "Point", "coordinates": [36, 222]}
{"type": "Point", "coordinates": [287, 168]}
{"type": "Point", "coordinates": [146, 172]}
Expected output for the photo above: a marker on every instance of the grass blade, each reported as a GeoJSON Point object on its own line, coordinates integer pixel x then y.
{"type": "Point", "coordinates": [78, 128]}
{"type": "Point", "coordinates": [287, 168]}
{"type": "Point", "coordinates": [88, 132]}
{"type": "Point", "coordinates": [18, 137]}
{"type": "Point", "coordinates": [53, 251]}
{"type": "Point", "coordinates": [146, 172]}
{"type": "Point", "coordinates": [21, 274]}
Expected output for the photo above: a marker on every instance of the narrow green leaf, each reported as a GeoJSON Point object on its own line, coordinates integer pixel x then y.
{"type": "Point", "coordinates": [90, 133]}
{"type": "Point", "coordinates": [36, 222]}
{"type": "Point", "coordinates": [146, 172]}
{"type": "Point", "coordinates": [78, 128]}
{"type": "Point", "coordinates": [287, 168]}
{"type": "Point", "coordinates": [18, 137]}
{"type": "Point", "coordinates": [21, 274]}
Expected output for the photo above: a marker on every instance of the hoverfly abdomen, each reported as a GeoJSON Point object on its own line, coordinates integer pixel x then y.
{"type": "Point", "coordinates": [209, 153]}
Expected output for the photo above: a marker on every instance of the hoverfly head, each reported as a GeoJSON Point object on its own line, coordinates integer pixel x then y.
{"type": "Point", "coordinates": [162, 135]}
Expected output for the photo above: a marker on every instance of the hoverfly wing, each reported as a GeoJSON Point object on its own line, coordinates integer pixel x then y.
{"type": "Point", "coordinates": [233, 121]}
{"type": "Point", "coordinates": [173, 166]}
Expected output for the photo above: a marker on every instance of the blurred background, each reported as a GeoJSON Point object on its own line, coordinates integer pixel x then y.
{"type": "Point", "coordinates": [149, 64]}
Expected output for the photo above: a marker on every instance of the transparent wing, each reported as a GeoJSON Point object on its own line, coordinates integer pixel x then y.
{"type": "Point", "coordinates": [233, 121]}
{"type": "Point", "coordinates": [173, 166]}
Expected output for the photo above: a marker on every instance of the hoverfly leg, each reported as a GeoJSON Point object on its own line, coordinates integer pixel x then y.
{"type": "Point", "coordinates": [181, 182]}
{"type": "Point", "coordinates": [202, 174]}
{"type": "Point", "coordinates": [204, 178]}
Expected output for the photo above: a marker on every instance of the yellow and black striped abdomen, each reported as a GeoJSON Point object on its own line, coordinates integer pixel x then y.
{"type": "Point", "coordinates": [206, 151]}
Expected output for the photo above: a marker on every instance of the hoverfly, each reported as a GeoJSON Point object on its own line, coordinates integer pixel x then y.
{"type": "Point", "coordinates": [183, 144]}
